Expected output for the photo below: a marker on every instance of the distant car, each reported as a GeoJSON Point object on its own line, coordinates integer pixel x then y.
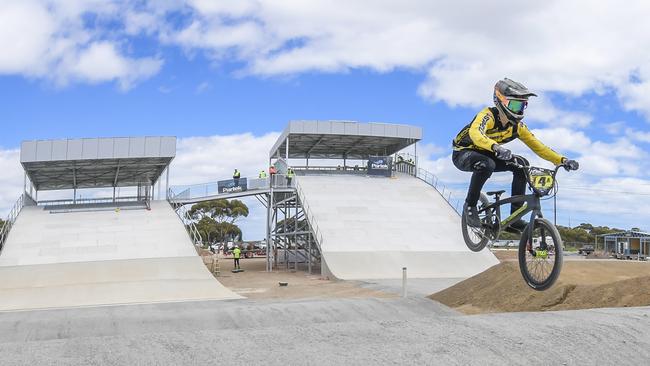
{"type": "Point", "coordinates": [586, 249]}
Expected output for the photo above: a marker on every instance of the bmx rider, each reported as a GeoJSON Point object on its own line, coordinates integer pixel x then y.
{"type": "Point", "coordinates": [478, 146]}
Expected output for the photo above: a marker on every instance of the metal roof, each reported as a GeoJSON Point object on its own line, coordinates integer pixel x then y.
{"type": "Point", "coordinates": [343, 139]}
{"type": "Point", "coordinates": [627, 234]}
{"type": "Point", "coordinates": [96, 162]}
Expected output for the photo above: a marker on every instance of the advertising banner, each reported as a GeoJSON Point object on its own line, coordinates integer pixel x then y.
{"type": "Point", "coordinates": [380, 165]}
{"type": "Point", "coordinates": [232, 185]}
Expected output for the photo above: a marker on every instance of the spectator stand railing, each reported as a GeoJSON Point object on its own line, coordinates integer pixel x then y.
{"type": "Point", "coordinates": [187, 221]}
{"type": "Point", "coordinates": [23, 200]}
{"type": "Point", "coordinates": [311, 219]}
{"type": "Point", "coordinates": [210, 190]}
{"type": "Point", "coordinates": [432, 180]}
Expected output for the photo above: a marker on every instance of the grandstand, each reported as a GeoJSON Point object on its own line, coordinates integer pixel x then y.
{"type": "Point", "coordinates": [103, 250]}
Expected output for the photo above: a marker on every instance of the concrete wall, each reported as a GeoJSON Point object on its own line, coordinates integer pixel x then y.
{"type": "Point", "coordinates": [372, 227]}
{"type": "Point", "coordinates": [40, 237]}
{"type": "Point", "coordinates": [100, 258]}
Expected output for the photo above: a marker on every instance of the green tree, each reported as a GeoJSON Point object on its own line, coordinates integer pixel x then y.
{"type": "Point", "coordinates": [216, 220]}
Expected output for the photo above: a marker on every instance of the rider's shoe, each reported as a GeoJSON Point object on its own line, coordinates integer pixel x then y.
{"type": "Point", "coordinates": [517, 227]}
{"type": "Point", "coordinates": [471, 214]}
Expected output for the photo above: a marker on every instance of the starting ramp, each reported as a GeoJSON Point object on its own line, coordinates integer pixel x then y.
{"type": "Point", "coordinates": [372, 227]}
{"type": "Point", "coordinates": [106, 257]}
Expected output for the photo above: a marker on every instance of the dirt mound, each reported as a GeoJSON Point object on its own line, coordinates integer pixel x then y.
{"type": "Point", "coordinates": [582, 285]}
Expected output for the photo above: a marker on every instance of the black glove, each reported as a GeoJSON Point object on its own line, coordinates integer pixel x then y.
{"type": "Point", "coordinates": [570, 164]}
{"type": "Point", "coordinates": [501, 152]}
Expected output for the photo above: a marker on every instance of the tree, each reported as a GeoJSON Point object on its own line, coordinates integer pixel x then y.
{"type": "Point", "coordinates": [216, 220]}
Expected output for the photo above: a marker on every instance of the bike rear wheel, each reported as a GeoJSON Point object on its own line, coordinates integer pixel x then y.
{"type": "Point", "coordinates": [476, 238]}
{"type": "Point", "coordinates": [540, 255]}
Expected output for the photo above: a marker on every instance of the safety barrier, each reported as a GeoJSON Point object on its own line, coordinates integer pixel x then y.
{"type": "Point", "coordinates": [432, 180]}
{"type": "Point", "coordinates": [211, 189]}
{"type": "Point", "coordinates": [187, 221]}
{"type": "Point", "coordinates": [13, 215]}
{"type": "Point", "coordinates": [318, 235]}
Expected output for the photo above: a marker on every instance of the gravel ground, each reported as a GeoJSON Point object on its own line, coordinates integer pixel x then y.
{"type": "Point", "coordinates": [321, 332]}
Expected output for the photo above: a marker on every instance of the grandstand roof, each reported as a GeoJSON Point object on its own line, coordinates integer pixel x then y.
{"type": "Point", "coordinates": [96, 162]}
{"type": "Point", "coordinates": [343, 139]}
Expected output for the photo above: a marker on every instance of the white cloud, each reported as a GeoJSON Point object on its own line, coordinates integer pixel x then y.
{"type": "Point", "coordinates": [207, 159]}
{"type": "Point", "coordinates": [102, 62]}
{"type": "Point", "coordinates": [203, 87]}
{"type": "Point", "coordinates": [566, 47]}
{"type": "Point", "coordinates": [50, 40]}
{"type": "Point", "coordinates": [463, 46]}
{"type": "Point", "coordinates": [11, 179]}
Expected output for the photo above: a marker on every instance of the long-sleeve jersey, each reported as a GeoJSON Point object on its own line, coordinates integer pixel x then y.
{"type": "Point", "coordinates": [484, 131]}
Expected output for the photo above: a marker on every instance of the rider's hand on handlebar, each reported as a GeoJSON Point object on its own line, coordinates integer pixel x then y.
{"type": "Point", "coordinates": [501, 152]}
{"type": "Point", "coordinates": [570, 164]}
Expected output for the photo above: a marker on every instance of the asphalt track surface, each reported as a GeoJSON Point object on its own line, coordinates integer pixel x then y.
{"type": "Point", "coordinates": [321, 332]}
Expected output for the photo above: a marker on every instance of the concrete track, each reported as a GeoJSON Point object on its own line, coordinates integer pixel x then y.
{"type": "Point", "coordinates": [321, 332]}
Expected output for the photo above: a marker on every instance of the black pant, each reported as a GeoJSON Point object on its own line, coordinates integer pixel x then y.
{"type": "Point", "coordinates": [236, 262]}
{"type": "Point", "coordinates": [482, 164]}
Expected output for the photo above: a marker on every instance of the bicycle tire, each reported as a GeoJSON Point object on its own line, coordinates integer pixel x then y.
{"type": "Point", "coordinates": [531, 280]}
{"type": "Point", "coordinates": [472, 245]}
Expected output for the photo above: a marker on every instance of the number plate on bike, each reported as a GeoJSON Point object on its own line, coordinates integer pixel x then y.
{"type": "Point", "coordinates": [541, 180]}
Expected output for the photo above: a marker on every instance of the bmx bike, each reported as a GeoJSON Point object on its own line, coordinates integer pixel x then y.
{"type": "Point", "coordinates": [540, 246]}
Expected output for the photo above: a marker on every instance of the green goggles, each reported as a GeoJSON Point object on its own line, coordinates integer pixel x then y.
{"type": "Point", "coordinates": [517, 106]}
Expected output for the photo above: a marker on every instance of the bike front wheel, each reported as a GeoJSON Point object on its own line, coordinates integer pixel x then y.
{"type": "Point", "coordinates": [540, 255]}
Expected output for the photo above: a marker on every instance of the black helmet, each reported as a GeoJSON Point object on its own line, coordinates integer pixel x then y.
{"type": "Point", "coordinates": [511, 98]}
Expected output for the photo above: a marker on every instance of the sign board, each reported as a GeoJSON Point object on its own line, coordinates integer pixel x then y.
{"type": "Point", "coordinates": [232, 186]}
{"type": "Point", "coordinates": [380, 165]}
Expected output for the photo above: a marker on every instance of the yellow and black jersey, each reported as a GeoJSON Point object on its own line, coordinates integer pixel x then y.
{"type": "Point", "coordinates": [484, 131]}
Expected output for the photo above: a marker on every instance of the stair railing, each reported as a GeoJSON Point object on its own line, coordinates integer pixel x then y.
{"type": "Point", "coordinates": [185, 218]}
{"type": "Point", "coordinates": [11, 219]}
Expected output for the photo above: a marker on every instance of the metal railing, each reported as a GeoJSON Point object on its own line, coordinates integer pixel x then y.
{"type": "Point", "coordinates": [88, 201]}
{"type": "Point", "coordinates": [318, 235]}
{"type": "Point", "coordinates": [432, 180]}
{"type": "Point", "coordinates": [187, 221]}
{"type": "Point", "coordinates": [11, 218]}
{"type": "Point", "coordinates": [211, 189]}
{"type": "Point", "coordinates": [329, 169]}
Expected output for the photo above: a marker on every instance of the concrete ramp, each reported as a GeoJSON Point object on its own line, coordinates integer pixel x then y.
{"type": "Point", "coordinates": [372, 227]}
{"type": "Point", "coordinates": [102, 257]}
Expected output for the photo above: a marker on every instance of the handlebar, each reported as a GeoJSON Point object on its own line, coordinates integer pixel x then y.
{"type": "Point", "coordinates": [514, 161]}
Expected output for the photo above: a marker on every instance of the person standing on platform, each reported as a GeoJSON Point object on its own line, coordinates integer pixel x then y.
{"type": "Point", "coordinates": [290, 175]}
{"type": "Point", "coordinates": [235, 176]}
{"type": "Point", "coordinates": [262, 174]}
{"type": "Point", "coordinates": [236, 253]}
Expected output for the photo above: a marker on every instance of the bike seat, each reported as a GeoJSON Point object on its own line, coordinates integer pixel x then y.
{"type": "Point", "coordinates": [495, 193]}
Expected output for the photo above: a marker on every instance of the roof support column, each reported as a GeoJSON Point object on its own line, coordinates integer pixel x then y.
{"type": "Point", "coordinates": [286, 153]}
{"type": "Point", "coordinates": [167, 183]}
{"type": "Point", "coordinates": [74, 184]}
{"type": "Point", "coordinates": [416, 159]}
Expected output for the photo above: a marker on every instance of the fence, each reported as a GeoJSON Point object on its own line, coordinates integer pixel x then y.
{"type": "Point", "coordinates": [11, 218]}
{"type": "Point", "coordinates": [432, 180]}
{"type": "Point", "coordinates": [211, 189]}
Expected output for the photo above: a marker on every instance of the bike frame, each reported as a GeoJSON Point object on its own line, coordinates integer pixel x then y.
{"type": "Point", "coordinates": [531, 204]}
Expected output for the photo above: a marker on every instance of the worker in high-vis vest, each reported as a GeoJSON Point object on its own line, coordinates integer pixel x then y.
{"type": "Point", "coordinates": [262, 174]}
{"type": "Point", "coordinates": [290, 175]}
{"type": "Point", "coordinates": [236, 253]}
{"type": "Point", "coordinates": [235, 176]}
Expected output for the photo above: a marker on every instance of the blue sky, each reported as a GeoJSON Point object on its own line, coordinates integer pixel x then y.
{"type": "Point", "coordinates": [172, 103]}
{"type": "Point", "coordinates": [231, 72]}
